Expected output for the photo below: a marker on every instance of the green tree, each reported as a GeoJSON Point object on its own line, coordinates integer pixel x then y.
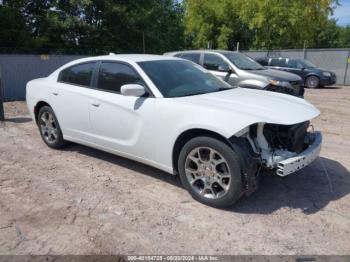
{"type": "Point", "coordinates": [216, 23]}
{"type": "Point", "coordinates": [14, 33]}
{"type": "Point", "coordinates": [343, 39]}
{"type": "Point", "coordinates": [285, 23]}
{"type": "Point", "coordinates": [327, 35]}
{"type": "Point", "coordinates": [101, 26]}
{"type": "Point", "coordinates": [259, 24]}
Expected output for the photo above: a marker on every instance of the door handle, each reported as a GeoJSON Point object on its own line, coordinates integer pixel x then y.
{"type": "Point", "coordinates": [95, 104]}
{"type": "Point", "coordinates": [55, 93]}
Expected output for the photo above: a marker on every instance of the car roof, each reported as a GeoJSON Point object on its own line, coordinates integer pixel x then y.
{"type": "Point", "coordinates": [200, 51]}
{"type": "Point", "coordinates": [127, 58]}
{"type": "Point", "coordinates": [280, 57]}
{"type": "Point", "coordinates": [139, 57]}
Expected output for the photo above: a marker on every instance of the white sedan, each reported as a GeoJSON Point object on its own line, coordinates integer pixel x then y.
{"type": "Point", "coordinates": [172, 114]}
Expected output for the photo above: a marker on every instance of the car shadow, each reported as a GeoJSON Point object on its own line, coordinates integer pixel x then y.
{"type": "Point", "coordinates": [125, 163]}
{"type": "Point", "coordinates": [330, 87]}
{"type": "Point", "coordinates": [18, 120]}
{"type": "Point", "coordinates": [310, 189]}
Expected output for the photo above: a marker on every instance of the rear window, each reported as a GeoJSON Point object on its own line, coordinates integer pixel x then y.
{"type": "Point", "coordinates": [194, 57]}
{"type": "Point", "coordinates": [281, 62]}
{"type": "Point", "coordinates": [78, 74]}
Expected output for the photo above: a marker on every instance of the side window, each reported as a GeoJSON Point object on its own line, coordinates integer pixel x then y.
{"type": "Point", "coordinates": [113, 75]}
{"type": "Point", "coordinates": [194, 57]}
{"type": "Point", "coordinates": [280, 62]}
{"type": "Point", "coordinates": [262, 61]}
{"type": "Point", "coordinates": [299, 65]}
{"type": "Point", "coordinates": [213, 62]}
{"type": "Point", "coordinates": [78, 74]}
{"type": "Point", "coordinates": [292, 63]}
{"type": "Point", "coordinates": [178, 55]}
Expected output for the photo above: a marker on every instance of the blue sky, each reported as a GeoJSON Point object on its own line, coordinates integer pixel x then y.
{"type": "Point", "coordinates": [342, 13]}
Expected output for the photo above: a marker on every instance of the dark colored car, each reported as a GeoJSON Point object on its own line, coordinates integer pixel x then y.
{"type": "Point", "coordinates": [312, 76]}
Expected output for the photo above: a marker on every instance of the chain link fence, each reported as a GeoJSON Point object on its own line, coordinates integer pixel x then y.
{"type": "Point", "coordinates": [336, 60]}
{"type": "Point", "coordinates": [17, 70]}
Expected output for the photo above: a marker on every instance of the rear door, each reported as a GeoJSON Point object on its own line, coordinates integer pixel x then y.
{"type": "Point", "coordinates": [70, 97]}
{"type": "Point", "coordinates": [121, 123]}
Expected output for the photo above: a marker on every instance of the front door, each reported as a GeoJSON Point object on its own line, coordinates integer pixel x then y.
{"type": "Point", "coordinates": [295, 67]}
{"type": "Point", "coordinates": [121, 123]}
{"type": "Point", "coordinates": [219, 67]}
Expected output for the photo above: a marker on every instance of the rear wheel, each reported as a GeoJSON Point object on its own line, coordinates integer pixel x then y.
{"type": "Point", "coordinates": [49, 128]}
{"type": "Point", "coordinates": [312, 82]}
{"type": "Point", "coordinates": [210, 171]}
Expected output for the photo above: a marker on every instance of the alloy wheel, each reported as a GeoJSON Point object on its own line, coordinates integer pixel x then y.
{"type": "Point", "coordinates": [48, 127]}
{"type": "Point", "coordinates": [208, 172]}
{"type": "Point", "coordinates": [312, 82]}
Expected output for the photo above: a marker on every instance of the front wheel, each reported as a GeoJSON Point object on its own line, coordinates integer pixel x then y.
{"type": "Point", "coordinates": [312, 82]}
{"type": "Point", "coordinates": [209, 169]}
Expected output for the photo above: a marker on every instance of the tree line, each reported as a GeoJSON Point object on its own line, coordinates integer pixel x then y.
{"type": "Point", "coordinates": [156, 26]}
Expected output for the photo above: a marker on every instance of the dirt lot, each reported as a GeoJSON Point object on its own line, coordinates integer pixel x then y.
{"type": "Point", "coordinates": [84, 201]}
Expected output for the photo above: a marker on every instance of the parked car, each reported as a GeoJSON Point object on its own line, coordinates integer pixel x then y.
{"type": "Point", "coordinates": [312, 76]}
{"type": "Point", "coordinates": [240, 70]}
{"type": "Point", "coordinates": [172, 114]}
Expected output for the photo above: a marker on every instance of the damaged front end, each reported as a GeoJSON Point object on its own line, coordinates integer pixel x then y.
{"type": "Point", "coordinates": [282, 149]}
{"type": "Point", "coordinates": [285, 148]}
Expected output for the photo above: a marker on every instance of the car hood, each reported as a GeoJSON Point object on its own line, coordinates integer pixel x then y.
{"type": "Point", "coordinates": [277, 75]}
{"type": "Point", "coordinates": [318, 70]}
{"type": "Point", "coordinates": [254, 106]}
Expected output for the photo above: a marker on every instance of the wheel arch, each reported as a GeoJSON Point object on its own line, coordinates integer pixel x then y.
{"type": "Point", "coordinates": [189, 134]}
{"type": "Point", "coordinates": [37, 108]}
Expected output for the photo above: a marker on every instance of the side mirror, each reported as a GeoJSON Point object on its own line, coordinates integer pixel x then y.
{"type": "Point", "coordinates": [132, 90]}
{"type": "Point", "coordinates": [223, 68]}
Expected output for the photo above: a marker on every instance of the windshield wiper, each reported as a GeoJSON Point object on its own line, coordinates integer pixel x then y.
{"type": "Point", "coordinates": [207, 92]}
{"type": "Point", "coordinates": [249, 68]}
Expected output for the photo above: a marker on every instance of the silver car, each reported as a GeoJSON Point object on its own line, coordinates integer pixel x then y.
{"type": "Point", "coordinates": [240, 70]}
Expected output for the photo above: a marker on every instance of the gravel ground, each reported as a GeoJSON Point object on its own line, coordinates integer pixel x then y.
{"type": "Point", "coordinates": [83, 201]}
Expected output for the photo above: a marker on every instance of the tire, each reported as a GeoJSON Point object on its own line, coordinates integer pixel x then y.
{"type": "Point", "coordinates": [312, 82]}
{"type": "Point", "coordinates": [49, 128]}
{"type": "Point", "coordinates": [196, 172]}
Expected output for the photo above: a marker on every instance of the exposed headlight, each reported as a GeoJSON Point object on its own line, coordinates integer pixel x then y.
{"type": "Point", "coordinates": [327, 74]}
{"type": "Point", "coordinates": [280, 83]}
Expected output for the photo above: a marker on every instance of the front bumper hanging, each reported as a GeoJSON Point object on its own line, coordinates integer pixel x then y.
{"type": "Point", "coordinates": [293, 164]}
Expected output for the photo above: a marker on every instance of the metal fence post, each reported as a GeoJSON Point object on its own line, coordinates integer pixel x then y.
{"type": "Point", "coordinates": [346, 67]}
{"type": "Point", "coordinates": [2, 115]}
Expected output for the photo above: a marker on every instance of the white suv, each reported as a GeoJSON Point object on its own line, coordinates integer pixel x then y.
{"type": "Point", "coordinates": [172, 114]}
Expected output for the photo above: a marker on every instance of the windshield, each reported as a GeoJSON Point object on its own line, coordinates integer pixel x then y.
{"type": "Point", "coordinates": [176, 78]}
{"type": "Point", "coordinates": [306, 63]}
{"type": "Point", "coordinates": [243, 62]}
